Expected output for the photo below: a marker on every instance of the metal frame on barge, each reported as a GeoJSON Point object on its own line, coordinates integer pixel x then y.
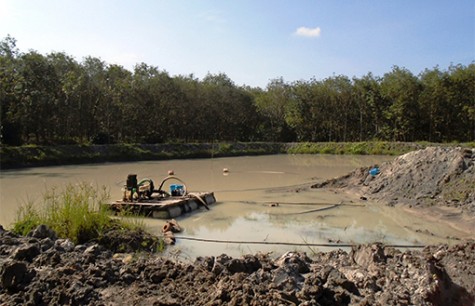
{"type": "Point", "coordinates": [142, 197]}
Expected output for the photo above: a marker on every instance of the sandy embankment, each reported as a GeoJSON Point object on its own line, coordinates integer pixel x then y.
{"type": "Point", "coordinates": [434, 183]}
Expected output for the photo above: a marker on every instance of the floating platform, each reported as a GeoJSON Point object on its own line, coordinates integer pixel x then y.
{"type": "Point", "coordinates": [167, 207]}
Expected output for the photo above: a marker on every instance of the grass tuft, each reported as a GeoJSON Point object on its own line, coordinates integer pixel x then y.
{"type": "Point", "coordinates": [74, 213]}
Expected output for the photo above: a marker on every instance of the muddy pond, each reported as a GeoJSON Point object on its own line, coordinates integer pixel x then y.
{"type": "Point", "coordinates": [244, 211]}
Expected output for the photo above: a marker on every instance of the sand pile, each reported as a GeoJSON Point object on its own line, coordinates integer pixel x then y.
{"type": "Point", "coordinates": [434, 176]}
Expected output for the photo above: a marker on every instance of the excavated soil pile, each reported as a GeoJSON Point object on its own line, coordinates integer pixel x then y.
{"type": "Point", "coordinates": [432, 177]}
{"type": "Point", "coordinates": [43, 270]}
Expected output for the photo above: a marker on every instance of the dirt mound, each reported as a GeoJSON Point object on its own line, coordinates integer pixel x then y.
{"type": "Point", "coordinates": [126, 241]}
{"type": "Point", "coordinates": [434, 176]}
{"type": "Point", "coordinates": [51, 271]}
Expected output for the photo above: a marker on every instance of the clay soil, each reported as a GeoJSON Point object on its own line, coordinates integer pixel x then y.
{"type": "Point", "coordinates": [41, 269]}
{"type": "Point", "coordinates": [436, 183]}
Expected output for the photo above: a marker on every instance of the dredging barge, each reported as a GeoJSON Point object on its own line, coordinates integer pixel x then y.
{"type": "Point", "coordinates": [141, 197]}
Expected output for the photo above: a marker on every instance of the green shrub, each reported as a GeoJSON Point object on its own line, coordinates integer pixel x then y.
{"type": "Point", "coordinates": [330, 149]}
{"type": "Point", "coordinates": [27, 219]}
{"type": "Point", "coordinates": [73, 213]}
{"type": "Point", "coordinates": [358, 148]}
{"type": "Point", "coordinates": [224, 148]}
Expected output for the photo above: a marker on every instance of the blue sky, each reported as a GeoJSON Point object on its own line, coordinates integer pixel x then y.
{"type": "Point", "coordinates": [251, 41]}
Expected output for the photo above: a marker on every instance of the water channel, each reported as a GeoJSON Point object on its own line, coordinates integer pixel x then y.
{"type": "Point", "coordinates": [243, 211]}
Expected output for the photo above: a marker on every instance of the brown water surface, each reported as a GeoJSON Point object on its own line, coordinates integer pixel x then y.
{"type": "Point", "coordinates": [244, 211]}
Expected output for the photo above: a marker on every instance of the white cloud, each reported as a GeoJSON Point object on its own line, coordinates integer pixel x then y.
{"type": "Point", "coordinates": [308, 32]}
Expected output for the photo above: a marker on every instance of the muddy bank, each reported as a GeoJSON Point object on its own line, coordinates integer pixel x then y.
{"type": "Point", "coordinates": [33, 156]}
{"type": "Point", "coordinates": [437, 182]}
{"type": "Point", "coordinates": [41, 270]}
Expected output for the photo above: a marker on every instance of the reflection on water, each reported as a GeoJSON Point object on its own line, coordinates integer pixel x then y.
{"type": "Point", "coordinates": [247, 194]}
{"type": "Point", "coordinates": [341, 224]}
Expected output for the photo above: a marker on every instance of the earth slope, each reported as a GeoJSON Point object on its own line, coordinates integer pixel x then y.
{"type": "Point", "coordinates": [439, 180]}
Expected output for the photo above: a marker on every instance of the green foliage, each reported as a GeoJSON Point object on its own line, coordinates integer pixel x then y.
{"type": "Point", "coordinates": [382, 148]}
{"type": "Point", "coordinates": [54, 100]}
{"type": "Point", "coordinates": [28, 218]}
{"type": "Point", "coordinates": [73, 213]}
{"type": "Point", "coordinates": [357, 148]}
{"type": "Point", "coordinates": [469, 144]}
{"type": "Point", "coordinates": [224, 148]}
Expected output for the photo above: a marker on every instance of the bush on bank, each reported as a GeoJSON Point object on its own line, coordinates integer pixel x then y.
{"type": "Point", "coordinates": [72, 213]}
{"type": "Point", "coordinates": [75, 213]}
{"type": "Point", "coordinates": [356, 148]}
{"type": "Point", "coordinates": [32, 155]}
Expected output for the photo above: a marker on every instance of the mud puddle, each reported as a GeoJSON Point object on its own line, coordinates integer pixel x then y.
{"type": "Point", "coordinates": [280, 226]}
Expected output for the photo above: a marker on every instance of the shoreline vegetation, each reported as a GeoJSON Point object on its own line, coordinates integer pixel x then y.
{"type": "Point", "coordinates": [35, 155]}
{"type": "Point", "coordinates": [75, 213]}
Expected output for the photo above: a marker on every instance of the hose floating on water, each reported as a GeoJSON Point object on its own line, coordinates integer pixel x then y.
{"type": "Point", "coordinates": [332, 245]}
{"type": "Point", "coordinates": [297, 203]}
{"type": "Point", "coordinates": [305, 211]}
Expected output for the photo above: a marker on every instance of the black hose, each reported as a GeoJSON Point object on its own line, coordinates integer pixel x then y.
{"type": "Point", "coordinates": [332, 245]}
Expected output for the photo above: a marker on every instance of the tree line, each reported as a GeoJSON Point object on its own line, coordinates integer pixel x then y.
{"type": "Point", "coordinates": [53, 99]}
